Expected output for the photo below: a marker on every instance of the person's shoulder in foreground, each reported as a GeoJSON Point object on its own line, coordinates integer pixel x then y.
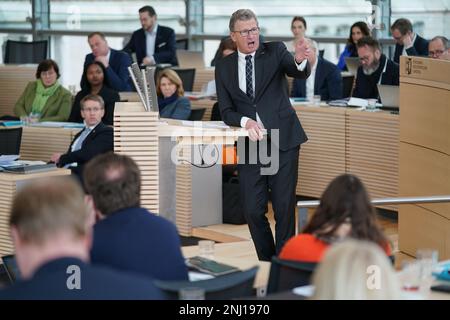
{"type": "Point", "coordinates": [72, 279]}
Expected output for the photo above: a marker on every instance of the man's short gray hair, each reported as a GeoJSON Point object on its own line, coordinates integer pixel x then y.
{"type": "Point", "coordinates": [313, 44]}
{"type": "Point", "coordinates": [243, 15]}
{"type": "Point", "coordinates": [443, 39]}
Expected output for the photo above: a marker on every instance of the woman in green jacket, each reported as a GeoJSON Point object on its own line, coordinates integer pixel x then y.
{"type": "Point", "coordinates": [45, 96]}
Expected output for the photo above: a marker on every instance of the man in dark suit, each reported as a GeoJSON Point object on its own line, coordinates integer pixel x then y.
{"type": "Point", "coordinates": [325, 79]}
{"type": "Point", "coordinates": [51, 228]}
{"type": "Point", "coordinates": [152, 43]}
{"type": "Point", "coordinates": [95, 138]}
{"type": "Point", "coordinates": [252, 93]}
{"type": "Point", "coordinates": [408, 43]}
{"type": "Point", "coordinates": [375, 69]}
{"type": "Point", "coordinates": [126, 236]}
{"type": "Point", "coordinates": [116, 62]}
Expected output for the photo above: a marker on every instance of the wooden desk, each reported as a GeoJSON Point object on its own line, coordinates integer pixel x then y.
{"type": "Point", "coordinates": [9, 184]}
{"type": "Point", "coordinates": [13, 80]}
{"type": "Point", "coordinates": [347, 140]}
{"type": "Point", "coordinates": [39, 143]}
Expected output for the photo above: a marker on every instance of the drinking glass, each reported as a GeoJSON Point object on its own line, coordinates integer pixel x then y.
{"type": "Point", "coordinates": [206, 248]}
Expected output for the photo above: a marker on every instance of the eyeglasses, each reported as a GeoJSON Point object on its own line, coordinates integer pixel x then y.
{"type": "Point", "coordinates": [48, 73]}
{"type": "Point", "coordinates": [246, 33]}
{"type": "Point", "coordinates": [92, 109]}
{"type": "Point", "coordinates": [435, 53]}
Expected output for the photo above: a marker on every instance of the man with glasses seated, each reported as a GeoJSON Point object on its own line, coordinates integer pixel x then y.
{"type": "Point", "coordinates": [94, 139]}
{"type": "Point", "coordinates": [375, 69]}
{"type": "Point", "coordinates": [438, 48]}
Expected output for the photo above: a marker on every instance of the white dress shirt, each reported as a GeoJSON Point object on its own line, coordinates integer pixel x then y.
{"type": "Point", "coordinates": [310, 81]}
{"type": "Point", "coordinates": [404, 53]}
{"type": "Point", "coordinates": [243, 81]}
{"type": "Point", "coordinates": [150, 40]}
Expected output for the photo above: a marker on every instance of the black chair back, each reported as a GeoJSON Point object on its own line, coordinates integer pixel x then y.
{"type": "Point", "coordinates": [25, 52]}
{"type": "Point", "coordinates": [10, 140]}
{"type": "Point", "coordinates": [286, 274]}
{"type": "Point", "coordinates": [215, 113]}
{"type": "Point", "coordinates": [233, 285]}
{"type": "Point", "coordinates": [182, 44]}
{"type": "Point", "coordinates": [187, 76]}
{"type": "Point", "coordinates": [197, 114]}
{"type": "Point", "coordinates": [321, 53]}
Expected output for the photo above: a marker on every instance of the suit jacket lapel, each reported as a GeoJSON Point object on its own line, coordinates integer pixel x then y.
{"type": "Point", "coordinates": [319, 76]}
{"type": "Point", "coordinates": [234, 74]}
{"type": "Point", "coordinates": [260, 62]}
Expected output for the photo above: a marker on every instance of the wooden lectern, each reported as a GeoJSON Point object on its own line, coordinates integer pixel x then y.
{"type": "Point", "coordinates": [424, 153]}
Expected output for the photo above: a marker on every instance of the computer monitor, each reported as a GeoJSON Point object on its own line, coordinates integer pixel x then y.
{"type": "Point", "coordinates": [353, 64]}
{"type": "Point", "coordinates": [11, 268]}
{"type": "Point", "coordinates": [389, 96]}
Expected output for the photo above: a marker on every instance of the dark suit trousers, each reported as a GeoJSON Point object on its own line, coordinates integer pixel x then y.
{"type": "Point", "coordinates": [254, 189]}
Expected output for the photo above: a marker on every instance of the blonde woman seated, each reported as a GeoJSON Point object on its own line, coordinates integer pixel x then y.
{"type": "Point", "coordinates": [170, 92]}
{"type": "Point", "coordinates": [344, 211]}
{"type": "Point", "coordinates": [45, 97]}
{"type": "Point", "coordinates": [355, 270]}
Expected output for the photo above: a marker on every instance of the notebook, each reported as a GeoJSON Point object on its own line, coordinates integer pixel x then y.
{"type": "Point", "coordinates": [389, 96]}
{"type": "Point", "coordinates": [26, 168]}
{"type": "Point", "coordinates": [353, 64]}
{"type": "Point", "coordinates": [210, 266]}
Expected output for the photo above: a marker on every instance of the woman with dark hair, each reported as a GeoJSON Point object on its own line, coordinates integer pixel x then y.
{"type": "Point", "coordinates": [344, 211]}
{"type": "Point", "coordinates": [357, 31]}
{"type": "Point", "coordinates": [172, 104]}
{"type": "Point", "coordinates": [226, 47]}
{"type": "Point", "coordinates": [298, 29]}
{"type": "Point", "coordinates": [95, 77]}
{"type": "Point", "coordinates": [45, 98]}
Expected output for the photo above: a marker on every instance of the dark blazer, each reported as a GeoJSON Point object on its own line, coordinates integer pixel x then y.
{"type": "Point", "coordinates": [366, 86]}
{"type": "Point", "coordinates": [138, 241]}
{"type": "Point", "coordinates": [99, 140]}
{"type": "Point", "coordinates": [419, 48]}
{"type": "Point", "coordinates": [272, 63]}
{"type": "Point", "coordinates": [165, 45]}
{"type": "Point", "coordinates": [110, 97]}
{"type": "Point", "coordinates": [117, 72]}
{"type": "Point", "coordinates": [49, 282]}
{"type": "Point", "coordinates": [328, 82]}
{"type": "Point", "coordinates": [180, 109]}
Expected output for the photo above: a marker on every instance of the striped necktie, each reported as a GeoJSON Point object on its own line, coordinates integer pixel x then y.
{"type": "Point", "coordinates": [249, 76]}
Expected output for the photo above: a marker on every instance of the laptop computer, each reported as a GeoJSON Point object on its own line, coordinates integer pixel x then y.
{"type": "Point", "coordinates": [190, 59]}
{"type": "Point", "coordinates": [12, 270]}
{"type": "Point", "coordinates": [389, 96]}
{"type": "Point", "coordinates": [353, 64]}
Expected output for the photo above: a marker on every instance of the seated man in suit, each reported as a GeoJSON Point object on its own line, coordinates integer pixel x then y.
{"type": "Point", "coordinates": [126, 236]}
{"type": "Point", "coordinates": [408, 43]}
{"type": "Point", "coordinates": [375, 69]}
{"type": "Point", "coordinates": [116, 63]}
{"type": "Point", "coordinates": [51, 229]}
{"type": "Point", "coordinates": [325, 78]}
{"type": "Point", "coordinates": [95, 138]}
{"type": "Point", "coordinates": [152, 43]}
{"type": "Point", "coordinates": [439, 48]}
